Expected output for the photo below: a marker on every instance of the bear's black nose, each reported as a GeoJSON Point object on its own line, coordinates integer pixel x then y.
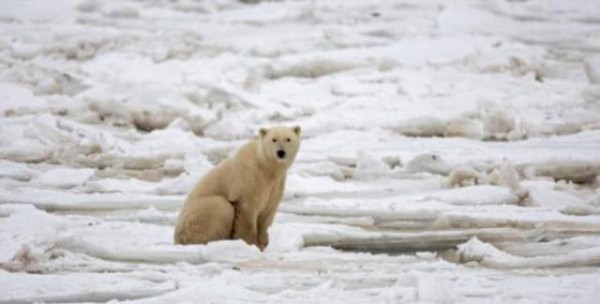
{"type": "Point", "coordinates": [281, 154]}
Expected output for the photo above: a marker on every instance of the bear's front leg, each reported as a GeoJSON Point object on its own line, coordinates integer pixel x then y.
{"type": "Point", "coordinates": [244, 226]}
{"type": "Point", "coordinates": [264, 222]}
{"type": "Point", "coordinates": [263, 240]}
{"type": "Point", "coordinates": [265, 219]}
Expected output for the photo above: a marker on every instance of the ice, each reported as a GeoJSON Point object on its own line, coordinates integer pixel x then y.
{"type": "Point", "coordinates": [63, 178]}
{"type": "Point", "coordinates": [449, 152]}
{"type": "Point", "coordinates": [16, 97]}
{"type": "Point", "coordinates": [463, 176]}
{"type": "Point", "coordinates": [16, 171]}
{"type": "Point", "coordinates": [433, 289]}
{"type": "Point", "coordinates": [498, 121]}
{"type": "Point", "coordinates": [368, 167]}
{"type": "Point", "coordinates": [20, 237]}
{"type": "Point", "coordinates": [475, 250]}
{"type": "Point", "coordinates": [153, 245]}
{"type": "Point", "coordinates": [49, 199]}
{"type": "Point", "coordinates": [428, 162]}
{"type": "Point", "coordinates": [463, 127]}
{"type": "Point", "coordinates": [424, 126]}
{"type": "Point", "coordinates": [90, 287]}
{"type": "Point", "coordinates": [122, 11]}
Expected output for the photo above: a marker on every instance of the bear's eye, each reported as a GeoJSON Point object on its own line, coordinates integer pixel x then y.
{"type": "Point", "coordinates": [274, 139]}
{"type": "Point", "coordinates": [288, 140]}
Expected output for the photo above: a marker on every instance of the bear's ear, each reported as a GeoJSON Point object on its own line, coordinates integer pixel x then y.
{"type": "Point", "coordinates": [262, 132]}
{"type": "Point", "coordinates": [297, 130]}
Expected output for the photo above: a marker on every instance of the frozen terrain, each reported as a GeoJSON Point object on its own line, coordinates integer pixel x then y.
{"type": "Point", "coordinates": [451, 149]}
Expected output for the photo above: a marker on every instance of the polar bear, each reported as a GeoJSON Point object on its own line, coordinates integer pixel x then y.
{"type": "Point", "coordinates": [238, 198]}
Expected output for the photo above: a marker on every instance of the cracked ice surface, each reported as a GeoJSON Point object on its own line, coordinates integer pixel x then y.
{"type": "Point", "coordinates": [450, 151]}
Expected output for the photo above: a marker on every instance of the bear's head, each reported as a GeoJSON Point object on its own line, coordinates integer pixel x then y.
{"type": "Point", "coordinates": [280, 144]}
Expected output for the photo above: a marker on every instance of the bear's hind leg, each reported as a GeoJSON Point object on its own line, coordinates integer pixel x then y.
{"type": "Point", "coordinates": [208, 219]}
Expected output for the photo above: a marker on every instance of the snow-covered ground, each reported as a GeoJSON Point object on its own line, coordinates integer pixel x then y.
{"type": "Point", "coordinates": [451, 149]}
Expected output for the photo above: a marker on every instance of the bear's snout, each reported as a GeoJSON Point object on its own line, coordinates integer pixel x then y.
{"type": "Point", "coordinates": [281, 154]}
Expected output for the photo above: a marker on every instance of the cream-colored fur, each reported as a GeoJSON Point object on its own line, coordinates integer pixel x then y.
{"type": "Point", "coordinates": [238, 198]}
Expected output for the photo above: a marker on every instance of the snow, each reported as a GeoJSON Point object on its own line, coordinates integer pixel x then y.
{"type": "Point", "coordinates": [449, 153]}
